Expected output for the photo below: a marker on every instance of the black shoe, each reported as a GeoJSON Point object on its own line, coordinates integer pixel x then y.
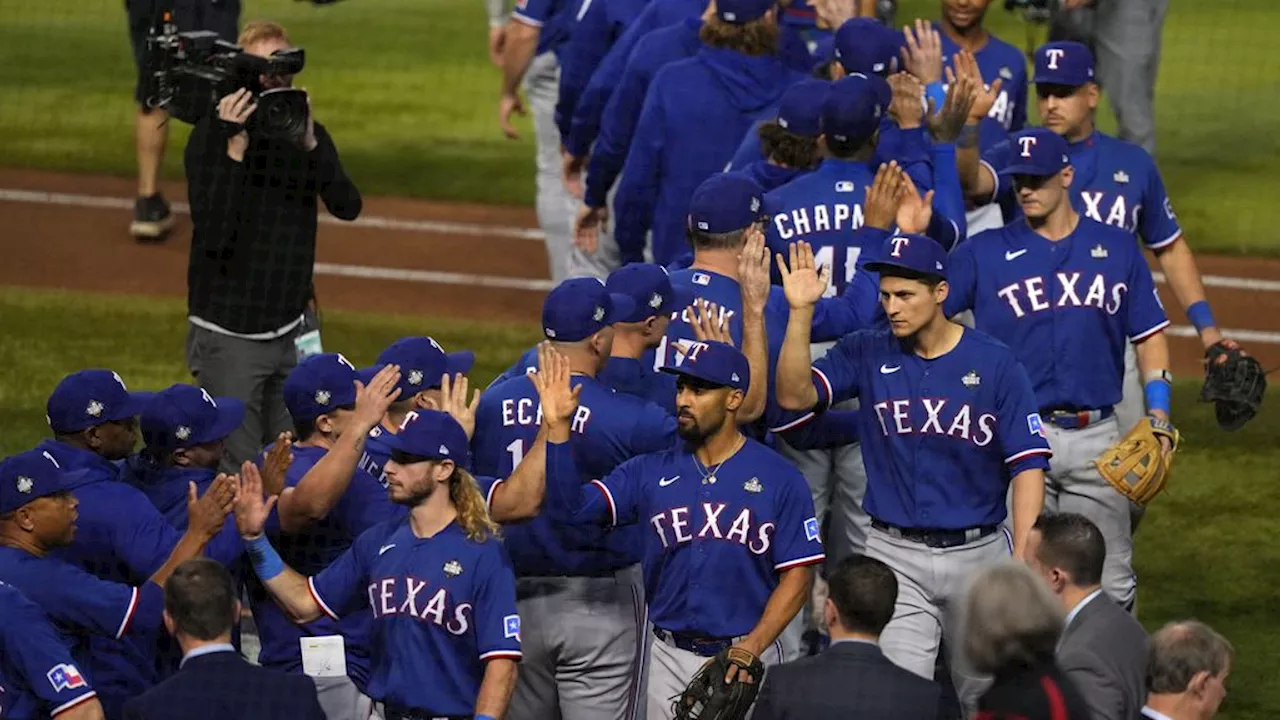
{"type": "Point", "coordinates": [152, 218]}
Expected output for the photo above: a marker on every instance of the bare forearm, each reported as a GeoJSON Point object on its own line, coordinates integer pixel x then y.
{"type": "Point", "coordinates": [976, 182]}
{"type": "Point", "coordinates": [189, 546]}
{"type": "Point", "coordinates": [324, 484]}
{"type": "Point", "coordinates": [1028, 503]}
{"type": "Point", "coordinates": [785, 601]}
{"type": "Point", "coordinates": [90, 709]}
{"type": "Point", "coordinates": [496, 688]}
{"type": "Point", "coordinates": [795, 381]}
{"type": "Point", "coordinates": [520, 496]}
{"type": "Point", "coordinates": [1179, 267]}
{"type": "Point", "coordinates": [755, 347]}
{"type": "Point", "coordinates": [522, 40]}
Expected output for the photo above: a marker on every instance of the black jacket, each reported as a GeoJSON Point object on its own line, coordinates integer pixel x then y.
{"type": "Point", "coordinates": [848, 680]}
{"type": "Point", "coordinates": [1036, 693]}
{"type": "Point", "coordinates": [224, 686]}
{"type": "Point", "coordinates": [253, 245]}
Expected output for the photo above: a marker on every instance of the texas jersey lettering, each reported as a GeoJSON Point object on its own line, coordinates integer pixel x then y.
{"type": "Point", "coordinates": [1066, 307]}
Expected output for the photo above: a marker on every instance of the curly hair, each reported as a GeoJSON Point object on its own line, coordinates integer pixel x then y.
{"type": "Point", "coordinates": [758, 37]}
{"type": "Point", "coordinates": [473, 510]}
{"type": "Point", "coordinates": [784, 146]}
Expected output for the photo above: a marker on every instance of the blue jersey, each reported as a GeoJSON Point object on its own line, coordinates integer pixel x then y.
{"type": "Point", "coordinates": [608, 428]}
{"type": "Point", "coordinates": [553, 18]}
{"type": "Point", "coordinates": [1115, 182]}
{"type": "Point", "coordinates": [629, 376]}
{"type": "Point", "coordinates": [955, 429]}
{"type": "Point", "coordinates": [363, 505]}
{"type": "Point", "coordinates": [442, 606]}
{"type": "Point", "coordinates": [598, 25]}
{"type": "Point", "coordinates": [713, 549]}
{"type": "Point", "coordinates": [1066, 308]}
{"type": "Point", "coordinates": [997, 59]}
{"type": "Point", "coordinates": [38, 677]}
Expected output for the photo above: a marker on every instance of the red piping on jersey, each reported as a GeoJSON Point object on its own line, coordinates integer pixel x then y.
{"type": "Point", "coordinates": [1057, 704]}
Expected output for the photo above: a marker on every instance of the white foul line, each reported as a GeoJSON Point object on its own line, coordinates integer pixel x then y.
{"type": "Point", "coordinates": [433, 277]}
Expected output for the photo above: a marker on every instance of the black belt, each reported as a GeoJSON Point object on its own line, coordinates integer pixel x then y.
{"type": "Point", "coordinates": [937, 538]}
{"type": "Point", "coordinates": [697, 644]}
{"type": "Point", "coordinates": [404, 713]}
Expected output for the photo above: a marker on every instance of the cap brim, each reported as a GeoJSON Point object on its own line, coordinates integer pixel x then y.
{"type": "Point", "coordinates": [397, 444]}
{"type": "Point", "coordinates": [136, 404]}
{"type": "Point", "coordinates": [1047, 80]}
{"type": "Point", "coordinates": [1029, 170]}
{"type": "Point", "coordinates": [365, 375]}
{"type": "Point", "coordinates": [881, 267]}
{"type": "Point", "coordinates": [681, 298]}
{"type": "Point", "coordinates": [230, 415]}
{"type": "Point", "coordinates": [460, 362]}
{"type": "Point", "coordinates": [623, 307]}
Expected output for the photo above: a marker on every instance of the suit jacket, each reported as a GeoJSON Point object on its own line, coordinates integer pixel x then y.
{"type": "Point", "coordinates": [1104, 653]}
{"type": "Point", "coordinates": [224, 686]}
{"type": "Point", "coordinates": [1042, 692]}
{"type": "Point", "coordinates": [848, 680]}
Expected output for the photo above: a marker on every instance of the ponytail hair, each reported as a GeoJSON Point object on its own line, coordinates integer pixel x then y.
{"type": "Point", "coordinates": [473, 510]}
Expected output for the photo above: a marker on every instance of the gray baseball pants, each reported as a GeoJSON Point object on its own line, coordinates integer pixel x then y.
{"type": "Point", "coordinates": [555, 206]}
{"type": "Point", "coordinates": [584, 649]}
{"type": "Point", "coordinates": [341, 699]}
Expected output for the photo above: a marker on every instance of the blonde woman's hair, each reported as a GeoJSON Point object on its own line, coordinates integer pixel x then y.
{"type": "Point", "coordinates": [1010, 619]}
{"type": "Point", "coordinates": [255, 31]}
{"type": "Point", "coordinates": [473, 510]}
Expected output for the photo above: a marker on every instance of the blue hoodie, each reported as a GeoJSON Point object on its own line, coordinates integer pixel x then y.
{"type": "Point", "coordinates": [598, 28]}
{"type": "Point", "coordinates": [695, 113]}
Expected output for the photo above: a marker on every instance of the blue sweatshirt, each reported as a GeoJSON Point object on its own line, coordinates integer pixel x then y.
{"type": "Point", "coordinates": [694, 115]}
{"type": "Point", "coordinates": [600, 24]}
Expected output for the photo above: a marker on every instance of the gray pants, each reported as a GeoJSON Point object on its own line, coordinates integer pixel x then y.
{"type": "Point", "coordinates": [1073, 484]}
{"type": "Point", "coordinates": [837, 481]}
{"type": "Point", "coordinates": [983, 217]}
{"type": "Point", "coordinates": [584, 654]}
{"type": "Point", "coordinates": [1125, 36]}
{"type": "Point", "coordinates": [606, 258]}
{"type": "Point", "coordinates": [932, 583]}
{"type": "Point", "coordinates": [252, 371]}
{"type": "Point", "coordinates": [671, 669]}
{"type": "Point", "coordinates": [341, 699]}
{"type": "Point", "coordinates": [554, 204]}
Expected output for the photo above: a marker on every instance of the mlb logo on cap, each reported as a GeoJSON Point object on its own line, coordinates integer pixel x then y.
{"type": "Point", "coordinates": [1063, 63]}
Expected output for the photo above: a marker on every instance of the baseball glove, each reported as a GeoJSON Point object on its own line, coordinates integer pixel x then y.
{"type": "Point", "coordinates": [1234, 385]}
{"type": "Point", "coordinates": [709, 697]}
{"type": "Point", "coordinates": [1137, 466]}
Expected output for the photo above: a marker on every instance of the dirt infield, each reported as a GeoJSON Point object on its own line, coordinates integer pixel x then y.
{"type": "Point", "coordinates": [79, 241]}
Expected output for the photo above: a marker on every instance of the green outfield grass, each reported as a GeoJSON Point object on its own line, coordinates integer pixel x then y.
{"type": "Point", "coordinates": [406, 88]}
{"type": "Point", "coordinates": [1206, 548]}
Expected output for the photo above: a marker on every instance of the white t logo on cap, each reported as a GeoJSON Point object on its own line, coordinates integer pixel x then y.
{"type": "Point", "coordinates": [343, 359]}
{"type": "Point", "coordinates": [120, 380]}
{"type": "Point", "coordinates": [408, 418]}
{"type": "Point", "coordinates": [1054, 55]}
{"type": "Point", "coordinates": [1027, 143]}
{"type": "Point", "coordinates": [207, 397]}
{"type": "Point", "coordinates": [898, 244]}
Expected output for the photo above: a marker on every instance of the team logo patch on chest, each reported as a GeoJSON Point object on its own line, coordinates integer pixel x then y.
{"type": "Point", "coordinates": [971, 380]}
{"type": "Point", "coordinates": [1121, 177]}
{"type": "Point", "coordinates": [753, 486]}
{"type": "Point", "coordinates": [453, 568]}
{"type": "Point", "coordinates": [1098, 251]}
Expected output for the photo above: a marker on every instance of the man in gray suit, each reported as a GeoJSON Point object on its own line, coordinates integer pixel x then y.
{"type": "Point", "coordinates": [852, 678]}
{"type": "Point", "coordinates": [1187, 672]}
{"type": "Point", "coordinates": [1103, 650]}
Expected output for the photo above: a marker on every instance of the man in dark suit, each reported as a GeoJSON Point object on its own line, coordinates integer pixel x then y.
{"type": "Point", "coordinates": [1103, 650]}
{"type": "Point", "coordinates": [852, 678]}
{"type": "Point", "coordinates": [214, 682]}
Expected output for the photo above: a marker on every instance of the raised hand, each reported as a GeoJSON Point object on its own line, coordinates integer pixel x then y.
{"type": "Point", "coordinates": [559, 400]}
{"type": "Point", "coordinates": [802, 281]}
{"type": "Point", "coordinates": [922, 55]}
{"type": "Point", "coordinates": [708, 323]}
{"type": "Point", "coordinates": [962, 92]}
{"type": "Point", "coordinates": [251, 508]}
{"type": "Point", "coordinates": [206, 514]}
{"type": "Point", "coordinates": [907, 105]}
{"type": "Point", "coordinates": [884, 196]}
{"type": "Point", "coordinates": [372, 400]}
{"type": "Point", "coordinates": [915, 212]}
{"type": "Point", "coordinates": [753, 271]}
{"type": "Point", "coordinates": [984, 96]}
{"type": "Point", "coordinates": [276, 465]}
{"type": "Point", "coordinates": [453, 400]}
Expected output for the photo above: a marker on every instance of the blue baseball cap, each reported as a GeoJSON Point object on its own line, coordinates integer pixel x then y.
{"type": "Point", "coordinates": [863, 45]}
{"type": "Point", "coordinates": [433, 435]}
{"type": "Point", "coordinates": [422, 363]}
{"type": "Point", "coordinates": [1037, 151]}
{"type": "Point", "coordinates": [800, 109]}
{"type": "Point", "coordinates": [649, 288]}
{"type": "Point", "coordinates": [916, 254]}
{"type": "Point", "coordinates": [1063, 63]}
{"type": "Point", "coordinates": [578, 308]}
{"type": "Point", "coordinates": [853, 108]}
{"type": "Point", "coordinates": [714, 362]}
{"type": "Point", "coordinates": [27, 476]}
{"type": "Point", "coordinates": [319, 385]}
{"type": "Point", "coordinates": [725, 202]}
{"type": "Point", "coordinates": [183, 416]}
{"type": "Point", "coordinates": [91, 397]}
{"type": "Point", "coordinates": [740, 12]}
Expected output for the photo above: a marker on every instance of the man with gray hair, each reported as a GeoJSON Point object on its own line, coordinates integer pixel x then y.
{"type": "Point", "coordinates": [1103, 648]}
{"type": "Point", "coordinates": [1187, 670]}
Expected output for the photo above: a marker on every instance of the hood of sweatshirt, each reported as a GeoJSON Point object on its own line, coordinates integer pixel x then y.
{"type": "Point", "coordinates": [751, 83]}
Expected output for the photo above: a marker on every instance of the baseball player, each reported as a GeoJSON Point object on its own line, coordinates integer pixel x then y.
{"type": "Point", "coordinates": [1064, 293]}
{"type": "Point", "coordinates": [955, 423]}
{"type": "Point", "coordinates": [1114, 182]}
{"type": "Point", "coordinates": [122, 537]}
{"type": "Point", "coordinates": [789, 142]}
{"type": "Point", "coordinates": [437, 582]}
{"type": "Point", "coordinates": [423, 367]}
{"type": "Point", "coordinates": [38, 514]}
{"type": "Point", "coordinates": [38, 677]}
{"type": "Point", "coordinates": [730, 539]}
{"type": "Point", "coordinates": [580, 591]}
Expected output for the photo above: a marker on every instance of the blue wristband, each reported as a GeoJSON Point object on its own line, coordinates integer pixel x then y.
{"type": "Point", "coordinates": [485, 717]}
{"type": "Point", "coordinates": [1158, 396]}
{"type": "Point", "coordinates": [937, 94]}
{"type": "Point", "coordinates": [266, 561]}
{"type": "Point", "coordinates": [1201, 316]}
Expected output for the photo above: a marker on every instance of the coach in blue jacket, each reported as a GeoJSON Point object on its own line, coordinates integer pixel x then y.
{"type": "Point", "coordinates": [695, 113]}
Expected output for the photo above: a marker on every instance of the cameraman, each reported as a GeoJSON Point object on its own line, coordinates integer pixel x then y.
{"type": "Point", "coordinates": [250, 297]}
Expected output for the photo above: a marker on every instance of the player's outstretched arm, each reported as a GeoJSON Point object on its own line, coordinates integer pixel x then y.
{"type": "Point", "coordinates": [804, 285]}
{"type": "Point", "coordinates": [1153, 363]}
{"type": "Point", "coordinates": [977, 182]}
{"type": "Point", "coordinates": [496, 687]}
{"type": "Point", "coordinates": [1028, 503]}
{"type": "Point", "coordinates": [290, 589]}
{"type": "Point", "coordinates": [520, 43]}
{"type": "Point", "coordinates": [319, 490]}
{"type": "Point", "coordinates": [1179, 267]}
{"type": "Point", "coordinates": [784, 602]}
{"type": "Point", "coordinates": [205, 517]}
{"type": "Point", "coordinates": [753, 273]}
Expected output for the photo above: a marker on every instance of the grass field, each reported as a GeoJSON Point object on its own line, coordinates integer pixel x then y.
{"type": "Point", "coordinates": [1206, 549]}
{"type": "Point", "coordinates": [406, 88]}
